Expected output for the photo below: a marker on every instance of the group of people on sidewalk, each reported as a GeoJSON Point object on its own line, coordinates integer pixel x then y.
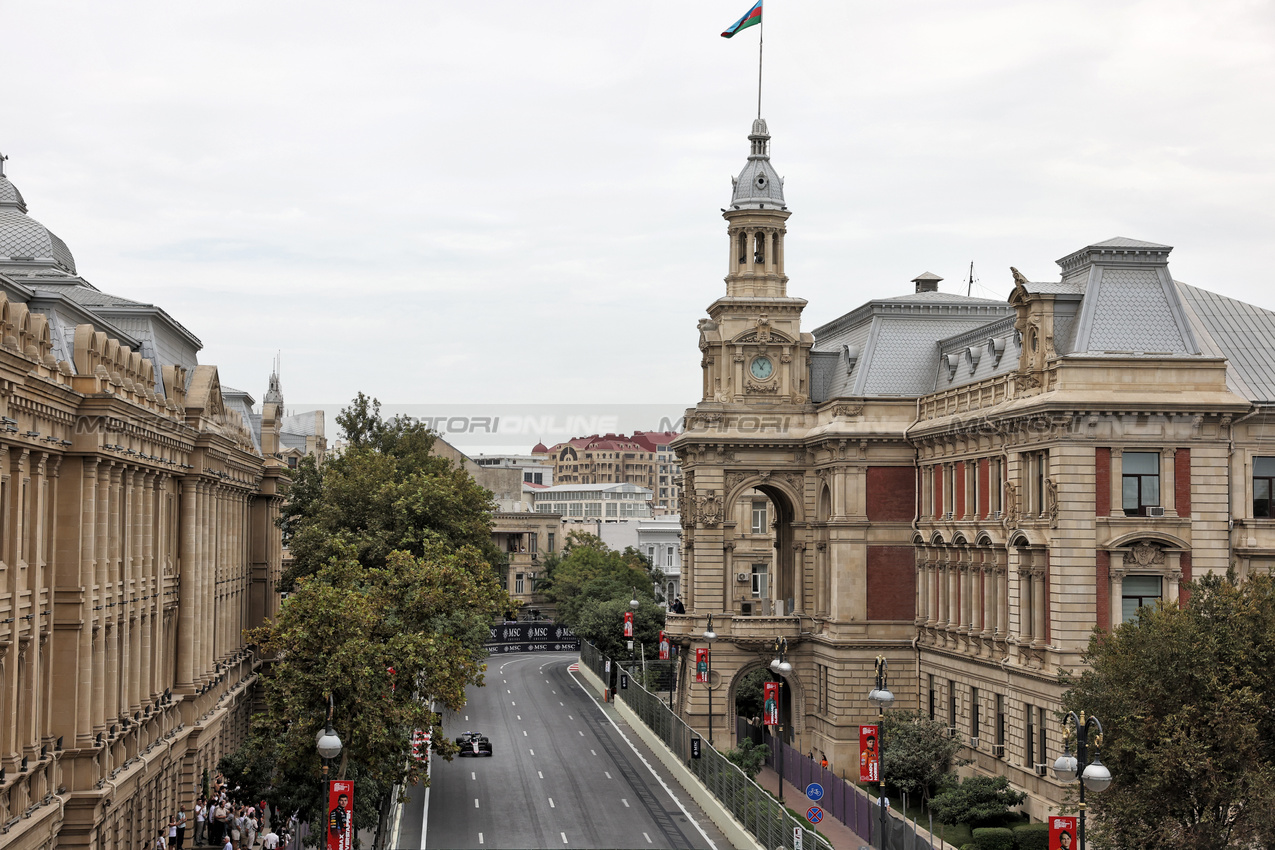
{"type": "Point", "coordinates": [221, 820]}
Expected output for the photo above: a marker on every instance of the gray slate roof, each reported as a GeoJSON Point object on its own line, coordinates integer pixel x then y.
{"type": "Point", "coordinates": [1242, 333]}
{"type": "Point", "coordinates": [758, 185]}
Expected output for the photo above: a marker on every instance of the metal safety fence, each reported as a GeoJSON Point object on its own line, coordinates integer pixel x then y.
{"type": "Point", "coordinates": [756, 809]}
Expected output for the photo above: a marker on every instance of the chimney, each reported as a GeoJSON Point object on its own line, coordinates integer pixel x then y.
{"type": "Point", "coordinates": [927, 282]}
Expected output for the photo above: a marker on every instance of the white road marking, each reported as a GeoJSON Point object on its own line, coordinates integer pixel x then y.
{"type": "Point", "coordinates": [595, 752]}
{"type": "Point", "coordinates": [524, 733]}
{"type": "Point", "coordinates": [608, 773]}
{"type": "Point", "coordinates": [647, 837]}
{"type": "Point", "coordinates": [541, 775]}
{"type": "Point", "coordinates": [520, 717]}
{"type": "Point", "coordinates": [533, 752]}
{"type": "Point", "coordinates": [475, 802]}
{"type": "Point", "coordinates": [581, 733]}
{"type": "Point", "coordinates": [508, 691]}
{"type": "Point", "coordinates": [560, 702]}
{"type": "Point", "coordinates": [480, 838]}
{"type": "Point", "coordinates": [564, 837]}
{"type": "Point", "coordinates": [712, 844]}
{"type": "Point", "coordinates": [569, 717]}
{"type": "Point", "coordinates": [466, 716]}
{"type": "Point", "coordinates": [474, 776]}
{"type": "Point", "coordinates": [553, 690]}
{"type": "Point", "coordinates": [551, 805]}
{"type": "Point", "coordinates": [625, 802]}
{"type": "Point", "coordinates": [546, 681]}
{"type": "Point", "coordinates": [511, 702]}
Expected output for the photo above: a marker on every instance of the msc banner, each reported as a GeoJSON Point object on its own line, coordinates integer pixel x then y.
{"type": "Point", "coordinates": [539, 636]}
{"type": "Point", "coordinates": [869, 758]}
{"type": "Point", "coordinates": [1062, 834]}
{"type": "Point", "coordinates": [340, 814]}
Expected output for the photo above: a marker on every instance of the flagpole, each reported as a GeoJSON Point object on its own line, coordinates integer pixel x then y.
{"type": "Point", "coordinates": [760, 40]}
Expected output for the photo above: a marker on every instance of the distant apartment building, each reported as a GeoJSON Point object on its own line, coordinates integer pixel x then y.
{"type": "Point", "coordinates": [643, 459]}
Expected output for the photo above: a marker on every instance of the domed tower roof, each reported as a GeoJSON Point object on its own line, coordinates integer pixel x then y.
{"type": "Point", "coordinates": [23, 238]}
{"type": "Point", "coordinates": [758, 186]}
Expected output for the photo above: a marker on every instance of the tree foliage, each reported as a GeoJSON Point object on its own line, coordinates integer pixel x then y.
{"type": "Point", "coordinates": [384, 492]}
{"type": "Point", "coordinates": [749, 757]}
{"type": "Point", "coordinates": [748, 693]}
{"type": "Point", "coordinates": [392, 597]}
{"type": "Point", "coordinates": [1187, 700]}
{"type": "Point", "coordinates": [976, 801]}
{"type": "Point", "coordinates": [917, 753]}
{"type": "Point", "coordinates": [592, 587]}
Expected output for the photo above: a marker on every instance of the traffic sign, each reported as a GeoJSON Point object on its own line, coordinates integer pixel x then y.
{"type": "Point", "coordinates": [814, 791]}
{"type": "Point", "coordinates": [814, 814]}
{"type": "Point", "coordinates": [797, 834]}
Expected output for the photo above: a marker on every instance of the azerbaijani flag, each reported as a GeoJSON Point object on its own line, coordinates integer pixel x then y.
{"type": "Point", "coordinates": [753, 16]}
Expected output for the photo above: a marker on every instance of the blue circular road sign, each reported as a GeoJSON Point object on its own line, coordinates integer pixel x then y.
{"type": "Point", "coordinates": [814, 814]}
{"type": "Point", "coordinates": [814, 791]}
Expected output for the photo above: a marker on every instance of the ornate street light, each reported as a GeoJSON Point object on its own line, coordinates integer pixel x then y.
{"type": "Point", "coordinates": [329, 747]}
{"type": "Point", "coordinates": [781, 667]}
{"type": "Point", "coordinates": [709, 637]}
{"type": "Point", "coordinates": [1092, 772]}
{"type": "Point", "coordinates": [883, 698]}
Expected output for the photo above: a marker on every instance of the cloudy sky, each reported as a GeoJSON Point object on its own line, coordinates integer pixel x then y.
{"type": "Point", "coordinates": [498, 202]}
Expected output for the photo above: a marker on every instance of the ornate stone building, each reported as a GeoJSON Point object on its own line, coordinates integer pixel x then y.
{"type": "Point", "coordinates": [137, 542]}
{"type": "Point", "coordinates": [966, 486]}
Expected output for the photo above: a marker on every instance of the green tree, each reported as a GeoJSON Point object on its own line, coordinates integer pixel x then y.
{"type": "Point", "coordinates": [1185, 695]}
{"type": "Point", "coordinates": [917, 753]}
{"type": "Point", "coordinates": [748, 693]}
{"type": "Point", "coordinates": [749, 757]}
{"type": "Point", "coordinates": [385, 492]}
{"type": "Point", "coordinates": [976, 801]}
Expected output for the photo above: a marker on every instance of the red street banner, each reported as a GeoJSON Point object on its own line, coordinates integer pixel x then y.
{"type": "Point", "coordinates": [701, 665]}
{"type": "Point", "coordinates": [770, 709]}
{"type": "Point", "coordinates": [869, 755]}
{"type": "Point", "coordinates": [628, 624]}
{"type": "Point", "coordinates": [340, 814]}
{"type": "Point", "coordinates": [1062, 834]}
{"type": "Point", "coordinates": [663, 646]}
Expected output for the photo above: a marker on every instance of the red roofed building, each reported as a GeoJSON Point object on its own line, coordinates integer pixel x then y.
{"type": "Point", "coordinates": [643, 459]}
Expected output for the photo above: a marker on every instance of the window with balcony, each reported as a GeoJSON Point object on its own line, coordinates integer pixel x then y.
{"type": "Point", "coordinates": [1140, 482]}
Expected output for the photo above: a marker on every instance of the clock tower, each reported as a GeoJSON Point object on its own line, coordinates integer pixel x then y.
{"type": "Point", "coordinates": [754, 352]}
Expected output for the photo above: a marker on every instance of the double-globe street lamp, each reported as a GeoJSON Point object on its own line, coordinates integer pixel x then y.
{"type": "Point", "coordinates": [883, 698]}
{"type": "Point", "coordinates": [709, 637]}
{"type": "Point", "coordinates": [1092, 772]}
{"type": "Point", "coordinates": [781, 667]}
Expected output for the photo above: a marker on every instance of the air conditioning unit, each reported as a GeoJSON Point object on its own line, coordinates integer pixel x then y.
{"type": "Point", "coordinates": [951, 731]}
{"type": "Point", "coordinates": [947, 515]}
{"type": "Point", "coordinates": [996, 514]}
{"type": "Point", "coordinates": [1042, 770]}
{"type": "Point", "coordinates": [746, 608]}
{"type": "Point", "coordinates": [973, 743]}
{"type": "Point", "coordinates": [1155, 510]}
{"type": "Point", "coordinates": [998, 750]}
{"type": "Point", "coordinates": [741, 577]}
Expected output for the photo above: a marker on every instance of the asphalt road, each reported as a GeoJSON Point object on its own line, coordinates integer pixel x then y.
{"type": "Point", "coordinates": [562, 774]}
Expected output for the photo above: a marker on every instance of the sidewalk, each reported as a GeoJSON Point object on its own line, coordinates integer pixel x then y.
{"type": "Point", "coordinates": [841, 836]}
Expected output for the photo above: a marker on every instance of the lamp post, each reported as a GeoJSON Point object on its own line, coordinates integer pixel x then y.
{"type": "Point", "coordinates": [709, 637]}
{"type": "Point", "coordinates": [329, 747]}
{"type": "Point", "coordinates": [781, 667]}
{"type": "Point", "coordinates": [633, 603]}
{"type": "Point", "coordinates": [1092, 772]}
{"type": "Point", "coordinates": [883, 698]}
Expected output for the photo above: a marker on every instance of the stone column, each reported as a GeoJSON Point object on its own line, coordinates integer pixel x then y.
{"type": "Point", "coordinates": [1026, 620]}
{"type": "Point", "coordinates": [1039, 602]}
{"type": "Point", "coordinates": [923, 587]}
{"type": "Point", "coordinates": [1117, 592]}
{"type": "Point", "coordinates": [88, 570]}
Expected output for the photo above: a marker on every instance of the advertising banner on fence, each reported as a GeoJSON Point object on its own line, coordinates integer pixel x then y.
{"type": "Point", "coordinates": [628, 624]}
{"type": "Point", "coordinates": [1062, 833]}
{"type": "Point", "coordinates": [770, 708]}
{"type": "Point", "coordinates": [701, 665]}
{"type": "Point", "coordinates": [537, 636]}
{"type": "Point", "coordinates": [340, 814]}
{"type": "Point", "coordinates": [663, 646]}
{"type": "Point", "coordinates": [869, 755]}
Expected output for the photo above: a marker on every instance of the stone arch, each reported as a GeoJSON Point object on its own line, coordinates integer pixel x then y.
{"type": "Point", "coordinates": [794, 699]}
{"type": "Point", "coordinates": [985, 539]}
{"type": "Point", "coordinates": [1020, 540]}
{"type": "Point", "coordinates": [1166, 540]}
{"type": "Point", "coordinates": [936, 539]}
{"type": "Point", "coordinates": [959, 539]}
{"type": "Point", "coordinates": [824, 512]}
{"type": "Point", "coordinates": [789, 513]}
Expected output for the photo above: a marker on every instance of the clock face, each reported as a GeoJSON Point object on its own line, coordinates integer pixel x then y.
{"type": "Point", "coordinates": [762, 368]}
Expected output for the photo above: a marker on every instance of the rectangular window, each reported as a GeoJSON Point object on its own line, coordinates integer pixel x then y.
{"type": "Point", "coordinates": [668, 556]}
{"type": "Point", "coordinates": [1140, 482]}
{"type": "Point", "coordinates": [974, 713]}
{"type": "Point", "coordinates": [933, 704]}
{"type": "Point", "coordinates": [949, 488]}
{"type": "Point", "coordinates": [951, 704]}
{"type": "Point", "coordinates": [611, 508]}
{"type": "Point", "coordinates": [533, 541]}
{"type": "Point", "coordinates": [1042, 472]}
{"type": "Point", "coordinates": [577, 508]}
{"type": "Point", "coordinates": [994, 487]}
{"type": "Point", "coordinates": [551, 542]}
{"type": "Point", "coordinates": [760, 525]}
{"type": "Point", "coordinates": [527, 476]}
{"type": "Point", "coordinates": [1042, 745]}
{"type": "Point", "coordinates": [539, 478]}
{"type": "Point", "coordinates": [761, 588]}
{"type": "Point", "coordinates": [1029, 751]}
{"type": "Point", "coordinates": [544, 508]}
{"type": "Point", "coordinates": [650, 554]}
{"type": "Point", "coordinates": [518, 582]}
{"type": "Point", "coordinates": [1000, 724]}
{"type": "Point", "coordinates": [1263, 486]}
{"type": "Point", "coordinates": [1138, 591]}
{"type": "Point", "coordinates": [976, 498]}
{"type": "Point", "coordinates": [593, 509]}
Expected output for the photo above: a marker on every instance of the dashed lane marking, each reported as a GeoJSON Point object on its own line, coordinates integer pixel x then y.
{"type": "Point", "coordinates": [608, 773]}
{"type": "Point", "coordinates": [475, 802]}
{"type": "Point", "coordinates": [473, 776]}
{"type": "Point", "coordinates": [581, 732]}
{"type": "Point", "coordinates": [595, 752]}
{"type": "Point", "coordinates": [647, 837]}
{"type": "Point", "coordinates": [626, 803]}
{"type": "Point", "coordinates": [524, 733]}
{"type": "Point", "coordinates": [480, 838]}
{"type": "Point", "coordinates": [564, 837]}
{"type": "Point", "coordinates": [533, 752]}
{"type": "Point", "coordinates": [551, 805]}
{"type": "Point", "coordinates": [541, 775]}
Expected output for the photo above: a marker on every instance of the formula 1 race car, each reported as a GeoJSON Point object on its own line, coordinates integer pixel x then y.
{"type": "Point", "coordinates": [474, 744]}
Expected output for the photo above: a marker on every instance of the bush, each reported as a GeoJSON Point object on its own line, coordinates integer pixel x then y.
{"type": "Point", "coordinates": [994, 838]}
{"type": "Point", "coordinates": [749, 757]}
{"type": "Point", "coordinates": [977, 800]}
{"type": "Point", "coordinates": [1032, 836]}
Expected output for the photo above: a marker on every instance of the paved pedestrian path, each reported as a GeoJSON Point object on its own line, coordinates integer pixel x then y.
{"type": "Point", "coordinates": [838, 834]}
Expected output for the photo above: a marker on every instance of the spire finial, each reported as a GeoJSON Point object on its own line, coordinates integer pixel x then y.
{"type": "Point", "coordinates": [2, 159]}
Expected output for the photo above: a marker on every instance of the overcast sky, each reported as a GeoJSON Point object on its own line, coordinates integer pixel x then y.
{"type": "Point", "coordinates": [498, 202]}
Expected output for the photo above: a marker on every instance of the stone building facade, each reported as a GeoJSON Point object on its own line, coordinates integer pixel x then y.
{"type": "Point", "coordinates": [137, 542]}
{"type": "Point", "coordinates": [964, 486]}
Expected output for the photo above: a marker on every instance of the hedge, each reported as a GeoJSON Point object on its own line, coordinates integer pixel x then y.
{"type": "Point", "coordinates": [994, 838]}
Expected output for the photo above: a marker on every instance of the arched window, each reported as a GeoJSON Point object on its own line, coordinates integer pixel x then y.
{"type": "Point", "coordinates": [759, 248]}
